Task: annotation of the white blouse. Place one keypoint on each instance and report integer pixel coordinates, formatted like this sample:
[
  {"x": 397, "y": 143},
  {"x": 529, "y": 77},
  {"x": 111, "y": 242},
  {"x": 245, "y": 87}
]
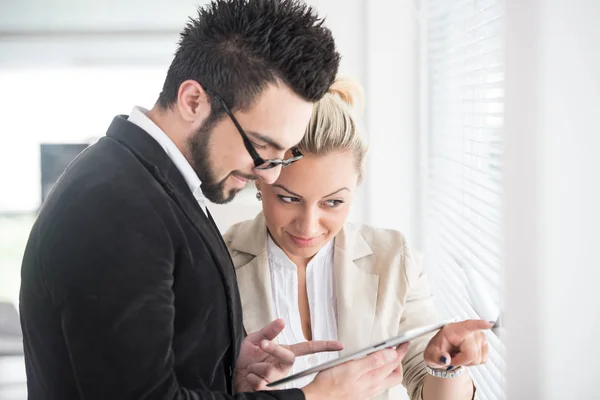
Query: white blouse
[{"x": 321, "y": 301}]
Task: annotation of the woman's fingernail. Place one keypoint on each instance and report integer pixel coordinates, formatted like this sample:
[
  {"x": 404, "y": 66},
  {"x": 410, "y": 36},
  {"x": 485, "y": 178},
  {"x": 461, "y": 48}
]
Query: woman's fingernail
[{"x": 443, "y": 359}]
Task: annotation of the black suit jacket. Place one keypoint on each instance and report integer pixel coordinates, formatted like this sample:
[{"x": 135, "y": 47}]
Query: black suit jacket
[{"x": 128, "y": 290}]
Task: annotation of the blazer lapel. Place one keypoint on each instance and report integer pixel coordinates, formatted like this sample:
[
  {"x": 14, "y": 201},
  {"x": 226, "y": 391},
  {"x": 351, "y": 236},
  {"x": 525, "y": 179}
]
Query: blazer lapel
[
  {"x": 254, "y": 277},
  {"x": 356, "y": 290},
  {"x": 206, "y": 227},
  {"x": 254, "y": 282}
]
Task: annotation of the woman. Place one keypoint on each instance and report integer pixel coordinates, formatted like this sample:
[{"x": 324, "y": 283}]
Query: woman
[{"x": 300, "y": 260}]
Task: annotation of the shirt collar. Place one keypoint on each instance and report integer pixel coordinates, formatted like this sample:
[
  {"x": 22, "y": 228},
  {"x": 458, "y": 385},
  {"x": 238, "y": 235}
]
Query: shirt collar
[{"x": 138, "y": 117}]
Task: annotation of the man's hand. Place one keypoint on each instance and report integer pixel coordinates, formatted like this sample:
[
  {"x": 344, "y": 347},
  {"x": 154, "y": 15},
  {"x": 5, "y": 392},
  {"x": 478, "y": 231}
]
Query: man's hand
[
  {"x": 261, "y": 361},
  {"x": 458, "y": 344}
]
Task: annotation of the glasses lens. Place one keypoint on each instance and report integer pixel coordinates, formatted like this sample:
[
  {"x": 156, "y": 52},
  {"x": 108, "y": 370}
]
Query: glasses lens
[{"x": 268, "y": 164}]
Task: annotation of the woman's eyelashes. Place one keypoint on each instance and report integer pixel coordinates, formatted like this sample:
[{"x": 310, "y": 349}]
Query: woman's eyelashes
[
  {"x": 288, "y": 199},
  {"x": 334, "y": 203},
  {"x": 291, "y": 199}
]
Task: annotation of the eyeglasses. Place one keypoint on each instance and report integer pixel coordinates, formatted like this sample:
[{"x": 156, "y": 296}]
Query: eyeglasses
[{"x": 259, "y": 162}]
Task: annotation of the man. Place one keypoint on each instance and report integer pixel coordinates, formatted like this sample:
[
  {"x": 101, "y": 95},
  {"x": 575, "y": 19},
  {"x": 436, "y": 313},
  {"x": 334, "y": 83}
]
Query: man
[{"x": 128, "y": 291}]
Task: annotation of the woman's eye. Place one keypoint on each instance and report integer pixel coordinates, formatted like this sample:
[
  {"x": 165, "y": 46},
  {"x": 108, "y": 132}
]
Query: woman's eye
[
  {"x": 288, "y": 199},
  {"x": 334, "y": 203}
]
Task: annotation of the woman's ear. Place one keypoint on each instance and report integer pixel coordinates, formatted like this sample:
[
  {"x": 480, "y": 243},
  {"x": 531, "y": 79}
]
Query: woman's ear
[{"x": 258, "y": 185}]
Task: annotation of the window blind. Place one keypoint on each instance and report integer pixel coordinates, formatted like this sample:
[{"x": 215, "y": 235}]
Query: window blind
[{"x": 462, "y": 218}]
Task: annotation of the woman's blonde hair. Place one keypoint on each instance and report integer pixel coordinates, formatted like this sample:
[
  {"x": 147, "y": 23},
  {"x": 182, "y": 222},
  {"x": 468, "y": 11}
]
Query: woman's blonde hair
[{"x": 335, "y": 123}]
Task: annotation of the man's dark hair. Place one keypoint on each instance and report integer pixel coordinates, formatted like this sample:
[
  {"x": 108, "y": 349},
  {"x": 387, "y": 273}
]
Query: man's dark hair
[{"x": 235, "y": 48}]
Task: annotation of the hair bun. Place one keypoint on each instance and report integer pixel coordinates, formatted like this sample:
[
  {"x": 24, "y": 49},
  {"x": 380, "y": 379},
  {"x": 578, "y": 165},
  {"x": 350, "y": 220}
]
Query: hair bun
[{"x": 350, "y": 91}]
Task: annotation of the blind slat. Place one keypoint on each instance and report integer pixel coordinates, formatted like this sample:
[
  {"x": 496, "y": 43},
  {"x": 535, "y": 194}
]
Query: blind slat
[
  {"x": 467, "y": 200},
  {"x": 461, "y": 252},
  {"x": 468, "y": 230},
  {"x": 463, "y": 219},
  {"x": 448, "y": 258}
]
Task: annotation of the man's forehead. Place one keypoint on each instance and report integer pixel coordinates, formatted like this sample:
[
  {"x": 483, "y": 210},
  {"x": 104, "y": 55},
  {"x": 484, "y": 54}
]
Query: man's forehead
[{"x": 280, "y": 116}]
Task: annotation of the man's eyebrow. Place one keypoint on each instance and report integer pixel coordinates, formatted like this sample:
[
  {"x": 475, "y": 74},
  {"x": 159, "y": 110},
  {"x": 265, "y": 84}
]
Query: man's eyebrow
[
  {"x": 266, "y": 139},
  {"x": 287, "y": 190}
]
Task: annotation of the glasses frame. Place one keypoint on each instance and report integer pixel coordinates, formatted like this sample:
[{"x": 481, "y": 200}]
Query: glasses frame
[{"x": 259, "y": 162}]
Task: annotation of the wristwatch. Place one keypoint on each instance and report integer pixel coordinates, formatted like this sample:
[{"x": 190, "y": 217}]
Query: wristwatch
[
  {"x": 450, "y": 373},
  {"x": 445, "y": 373}
]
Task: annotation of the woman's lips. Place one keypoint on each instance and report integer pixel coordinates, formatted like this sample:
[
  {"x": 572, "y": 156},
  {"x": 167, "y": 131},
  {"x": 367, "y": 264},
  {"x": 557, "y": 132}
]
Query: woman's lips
[{"x": 303, "y": 241}]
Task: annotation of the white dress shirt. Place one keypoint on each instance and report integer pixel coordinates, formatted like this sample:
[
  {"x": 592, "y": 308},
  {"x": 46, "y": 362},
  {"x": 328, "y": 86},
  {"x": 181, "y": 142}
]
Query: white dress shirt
[
  {"x": 321, "y": 300},
  {"x": 138, "y": 116}
]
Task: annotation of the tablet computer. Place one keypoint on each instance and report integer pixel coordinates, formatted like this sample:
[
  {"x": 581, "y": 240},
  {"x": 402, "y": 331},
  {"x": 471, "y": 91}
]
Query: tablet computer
[{"x": 392, "y": 342}]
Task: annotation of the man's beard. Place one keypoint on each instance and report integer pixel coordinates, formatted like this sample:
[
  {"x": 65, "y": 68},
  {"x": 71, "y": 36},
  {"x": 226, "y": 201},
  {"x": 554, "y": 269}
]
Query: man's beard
[{"x": 212, "y": 189}]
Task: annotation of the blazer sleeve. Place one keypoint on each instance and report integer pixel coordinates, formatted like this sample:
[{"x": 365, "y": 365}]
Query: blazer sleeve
[
  {"x": 419, "y": 311},
  {"x": 108, "y": 263}
]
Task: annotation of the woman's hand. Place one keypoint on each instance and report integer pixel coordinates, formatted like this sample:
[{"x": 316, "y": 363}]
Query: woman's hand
[{"x": 458, "y": 344}]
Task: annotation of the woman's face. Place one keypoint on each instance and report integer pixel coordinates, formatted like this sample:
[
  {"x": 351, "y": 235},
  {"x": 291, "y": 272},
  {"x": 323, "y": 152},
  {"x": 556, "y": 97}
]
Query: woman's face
[{"x": 309, "y": 203}]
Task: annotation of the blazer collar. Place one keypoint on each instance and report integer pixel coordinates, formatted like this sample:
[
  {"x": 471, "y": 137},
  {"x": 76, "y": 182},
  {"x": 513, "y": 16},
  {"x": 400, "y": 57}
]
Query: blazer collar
[
  {"x": 150, "y": 153},
  {"x": 251, "y": 238},
  {"x": 139, "y": 142},
  {"x": 352, "y": 243}
]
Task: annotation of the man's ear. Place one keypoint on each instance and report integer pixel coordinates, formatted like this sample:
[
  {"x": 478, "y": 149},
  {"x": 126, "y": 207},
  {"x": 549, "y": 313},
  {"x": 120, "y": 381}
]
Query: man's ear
[{"x": 193, "y": 102}]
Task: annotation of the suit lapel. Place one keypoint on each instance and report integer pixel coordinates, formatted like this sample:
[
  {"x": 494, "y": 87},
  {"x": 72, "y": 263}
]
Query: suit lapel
[
  {"x": 254, "y": 277},
  {"x": 356, "y": 290},
  {"x": 206, "y": 227},
  {"x": 254, "y": 280}
]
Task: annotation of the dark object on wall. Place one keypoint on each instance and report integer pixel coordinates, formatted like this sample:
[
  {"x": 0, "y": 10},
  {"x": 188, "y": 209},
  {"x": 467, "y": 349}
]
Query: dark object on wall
[{"x": 55, "y": 157}]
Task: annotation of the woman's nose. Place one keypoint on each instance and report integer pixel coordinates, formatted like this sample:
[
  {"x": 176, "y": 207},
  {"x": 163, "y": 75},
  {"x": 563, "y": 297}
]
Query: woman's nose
[{"x": 308, "y": 223}]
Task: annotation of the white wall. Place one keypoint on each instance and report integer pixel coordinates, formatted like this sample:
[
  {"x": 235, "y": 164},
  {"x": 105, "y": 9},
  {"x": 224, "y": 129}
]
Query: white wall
[
  {"x": 65, "y": 15},
  {"x": 392, "y": 85},
  {"x": 553, "y": 198}
]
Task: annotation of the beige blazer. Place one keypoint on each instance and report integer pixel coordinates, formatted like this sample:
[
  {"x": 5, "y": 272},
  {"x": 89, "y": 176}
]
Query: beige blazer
[{"x": 380, "y": 287}]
